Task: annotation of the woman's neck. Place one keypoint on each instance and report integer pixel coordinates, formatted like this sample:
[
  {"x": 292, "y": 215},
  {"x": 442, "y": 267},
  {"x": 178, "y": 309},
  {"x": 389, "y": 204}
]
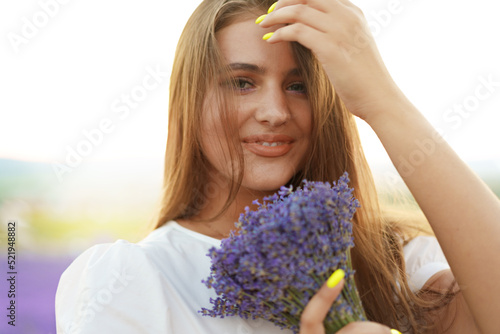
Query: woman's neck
[{"x": 213, "y": 203}]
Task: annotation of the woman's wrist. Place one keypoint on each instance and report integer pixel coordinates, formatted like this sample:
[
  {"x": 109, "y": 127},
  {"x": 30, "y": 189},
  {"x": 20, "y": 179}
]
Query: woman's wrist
[{"x": 390, "y": 110}]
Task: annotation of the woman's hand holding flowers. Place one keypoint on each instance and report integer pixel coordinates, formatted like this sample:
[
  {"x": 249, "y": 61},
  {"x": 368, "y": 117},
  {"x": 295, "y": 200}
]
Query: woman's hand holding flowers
[{"x": 314, "y": 314}]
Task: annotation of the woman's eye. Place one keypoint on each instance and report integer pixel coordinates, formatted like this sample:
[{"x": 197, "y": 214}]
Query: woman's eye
[
  {"x": 298, "y": 87},
  {"x": 242, "y": 84},
  {"x": 238, "y": 84}
]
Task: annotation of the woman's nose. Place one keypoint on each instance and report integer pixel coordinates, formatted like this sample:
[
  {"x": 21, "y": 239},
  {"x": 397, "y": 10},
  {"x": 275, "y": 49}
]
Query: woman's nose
[{"x": 273, "y": 109}]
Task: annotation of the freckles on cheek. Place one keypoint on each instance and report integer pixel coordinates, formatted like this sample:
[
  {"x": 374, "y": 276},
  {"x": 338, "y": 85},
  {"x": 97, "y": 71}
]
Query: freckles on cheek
[
  {"x": 209, "y": 136},
  {"x": 212, "y": 134}
]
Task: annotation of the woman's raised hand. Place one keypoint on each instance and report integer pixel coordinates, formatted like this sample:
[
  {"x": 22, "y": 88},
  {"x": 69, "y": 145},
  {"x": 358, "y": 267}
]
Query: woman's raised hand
[
  {"x": 315, "y": 312},
  {"x": 338, "y": 34}
]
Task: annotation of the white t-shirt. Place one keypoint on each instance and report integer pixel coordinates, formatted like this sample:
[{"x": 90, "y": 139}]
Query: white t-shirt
[{"x": 155, "y": 286}]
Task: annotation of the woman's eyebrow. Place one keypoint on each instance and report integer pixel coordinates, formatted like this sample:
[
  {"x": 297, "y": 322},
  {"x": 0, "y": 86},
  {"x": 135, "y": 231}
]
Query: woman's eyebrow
[{"x": 294, "y": 72}]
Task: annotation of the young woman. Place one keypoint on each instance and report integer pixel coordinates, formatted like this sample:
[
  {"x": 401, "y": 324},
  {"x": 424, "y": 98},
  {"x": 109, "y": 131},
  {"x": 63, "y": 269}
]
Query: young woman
[{"x": 249, "y": 114}]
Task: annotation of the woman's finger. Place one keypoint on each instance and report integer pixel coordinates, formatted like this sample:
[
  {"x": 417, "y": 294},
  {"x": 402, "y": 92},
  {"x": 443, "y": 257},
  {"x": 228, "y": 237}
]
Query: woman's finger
[
  {"x": 320, "y": 5},
  {"x": 311, "y": 320},
  {"x": 315, "y": 312},
  {"x": 298, "y": 13},
  {"x": 298, "y": 32},
  {"x": 313, "y": 39}
]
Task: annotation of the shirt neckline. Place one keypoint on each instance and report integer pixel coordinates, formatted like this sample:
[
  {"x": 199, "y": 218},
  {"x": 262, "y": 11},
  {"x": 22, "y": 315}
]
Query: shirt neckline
[{"x": 176, "y": 226}]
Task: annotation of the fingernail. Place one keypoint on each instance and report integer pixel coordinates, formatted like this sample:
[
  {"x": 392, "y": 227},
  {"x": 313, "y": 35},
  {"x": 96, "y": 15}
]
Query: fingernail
[
  {"x": 273, "y": 6},
  {"x": 267, "y": 36},
  {"x": 335, "y": 278},
  {"x": 260, "y": 19},
  {"x": 395, "y": 331}
]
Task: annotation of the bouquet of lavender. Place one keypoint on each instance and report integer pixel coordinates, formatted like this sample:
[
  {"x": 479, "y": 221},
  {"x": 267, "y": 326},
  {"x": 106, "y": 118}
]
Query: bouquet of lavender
[{"x": 284, "y": 251}]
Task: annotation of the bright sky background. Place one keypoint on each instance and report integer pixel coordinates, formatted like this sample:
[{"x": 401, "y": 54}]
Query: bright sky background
[{"x": 72, "y": 70}]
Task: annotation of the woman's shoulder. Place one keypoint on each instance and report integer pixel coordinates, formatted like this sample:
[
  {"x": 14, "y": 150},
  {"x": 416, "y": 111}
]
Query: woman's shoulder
[
  {"x": 103, "y": 259},
  {"x": 126, "y": 281},
  {"x": 170, "y": 241},
  {"x": 423, "y": 258},
  {"x": 120, "y": 253},
  {"x": 103, "y": 283}
]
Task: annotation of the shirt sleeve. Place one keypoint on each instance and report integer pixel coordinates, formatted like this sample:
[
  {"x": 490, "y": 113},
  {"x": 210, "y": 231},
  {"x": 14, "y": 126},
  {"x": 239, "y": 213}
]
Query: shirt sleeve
[
  {"x": 111, "y": 288},
  {"x": 424, "y": 258}
]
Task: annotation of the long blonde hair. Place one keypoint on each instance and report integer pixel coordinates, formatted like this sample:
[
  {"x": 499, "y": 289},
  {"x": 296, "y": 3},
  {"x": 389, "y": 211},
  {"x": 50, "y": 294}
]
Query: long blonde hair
[{"x": 377, "y": 255}]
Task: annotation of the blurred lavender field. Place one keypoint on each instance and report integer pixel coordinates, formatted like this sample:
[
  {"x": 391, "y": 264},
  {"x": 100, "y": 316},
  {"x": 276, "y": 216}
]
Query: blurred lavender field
[{"x": 36, "y": 286}]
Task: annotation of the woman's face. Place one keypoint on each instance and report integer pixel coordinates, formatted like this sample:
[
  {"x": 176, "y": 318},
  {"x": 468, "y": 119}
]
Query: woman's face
[{"x": 273, "y": 114}]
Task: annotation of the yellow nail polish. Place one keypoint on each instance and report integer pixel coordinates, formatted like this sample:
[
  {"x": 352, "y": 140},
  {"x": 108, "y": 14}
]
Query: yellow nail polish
[
  {"x": 267, "y": 36},
  {"x": 335, "y": 278},
  {"x": 260, "y": 19},
  {"x": 395, "y": 331},
  {"x": 273, "y": 6}
]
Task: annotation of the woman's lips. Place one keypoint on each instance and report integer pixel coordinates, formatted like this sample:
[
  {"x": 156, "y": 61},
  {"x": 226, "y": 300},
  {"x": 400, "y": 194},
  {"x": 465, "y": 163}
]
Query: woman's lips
[{"x": 268, "y": 145}]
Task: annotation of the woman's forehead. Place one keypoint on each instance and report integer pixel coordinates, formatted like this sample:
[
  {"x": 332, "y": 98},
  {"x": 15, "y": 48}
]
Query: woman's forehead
[{"x": 241, "y": 43}]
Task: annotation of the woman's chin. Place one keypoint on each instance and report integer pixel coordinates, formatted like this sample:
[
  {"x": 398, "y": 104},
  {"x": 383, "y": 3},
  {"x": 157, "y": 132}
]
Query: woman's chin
[{"x": 268, "y": 183}]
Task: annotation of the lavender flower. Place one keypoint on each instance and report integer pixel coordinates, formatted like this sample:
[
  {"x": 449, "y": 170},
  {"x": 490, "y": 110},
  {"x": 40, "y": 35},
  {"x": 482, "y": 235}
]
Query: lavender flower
[{"x": 284, "y": 251}]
